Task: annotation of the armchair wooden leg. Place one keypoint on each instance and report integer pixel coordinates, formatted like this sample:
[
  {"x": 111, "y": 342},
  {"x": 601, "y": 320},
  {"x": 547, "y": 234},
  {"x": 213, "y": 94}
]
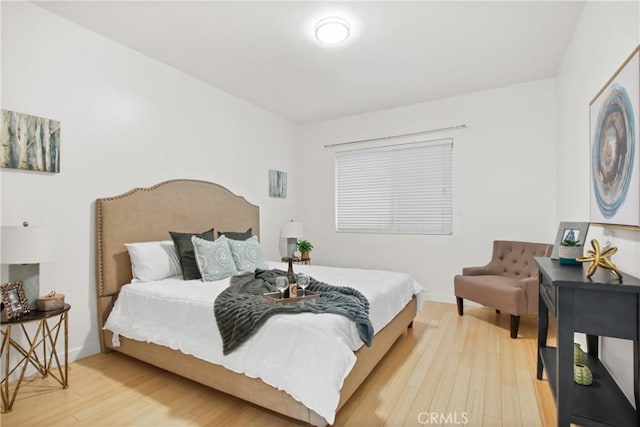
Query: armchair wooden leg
[
  {"x": 515, "y": 324},
  {"x": 460, "y": 306}
]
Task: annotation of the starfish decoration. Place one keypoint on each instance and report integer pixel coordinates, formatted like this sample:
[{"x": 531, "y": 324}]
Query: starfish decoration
[{"x": 600, "y": 259}]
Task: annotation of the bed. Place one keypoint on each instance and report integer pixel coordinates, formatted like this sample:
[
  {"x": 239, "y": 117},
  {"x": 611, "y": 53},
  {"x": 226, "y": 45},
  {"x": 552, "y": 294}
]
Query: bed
[{"x": 147, "y": 214}]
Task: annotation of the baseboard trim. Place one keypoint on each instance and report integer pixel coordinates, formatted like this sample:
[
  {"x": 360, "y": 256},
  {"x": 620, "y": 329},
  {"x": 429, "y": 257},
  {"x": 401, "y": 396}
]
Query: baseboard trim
[
  {"x": 82, "y": 352},
  {"x": 449, "y": 299},
  {"x": 440, "y": 298}
]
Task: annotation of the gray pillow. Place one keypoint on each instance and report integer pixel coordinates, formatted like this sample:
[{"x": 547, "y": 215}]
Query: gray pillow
[
  {"x": 236, "y": 235},
  {"x": 214, "y": 259},
  {"x": 246, "y": 254},
  {"x": 184, "y": 247}
]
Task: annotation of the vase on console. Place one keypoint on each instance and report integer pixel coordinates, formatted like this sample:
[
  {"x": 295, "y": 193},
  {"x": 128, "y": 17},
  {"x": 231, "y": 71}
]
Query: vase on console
[
  {"x": 582, "y": 374},
  {"x": 579, "y": 356}
]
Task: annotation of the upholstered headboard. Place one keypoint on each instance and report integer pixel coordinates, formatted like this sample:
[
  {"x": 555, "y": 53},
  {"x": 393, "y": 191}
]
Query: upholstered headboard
[{"x": 148, "y": 214}]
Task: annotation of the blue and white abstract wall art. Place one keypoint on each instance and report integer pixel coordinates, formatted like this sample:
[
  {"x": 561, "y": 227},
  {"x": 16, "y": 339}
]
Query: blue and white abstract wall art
[{"x": 615, "y": 156}]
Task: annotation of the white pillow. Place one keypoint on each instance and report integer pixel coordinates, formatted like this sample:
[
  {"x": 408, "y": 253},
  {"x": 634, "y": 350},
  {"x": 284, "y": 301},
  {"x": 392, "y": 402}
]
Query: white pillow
[
  {"x": 213, "y": 258},
  {"x": 247, "y": 254},
  {"x": 152, "y": 261}
]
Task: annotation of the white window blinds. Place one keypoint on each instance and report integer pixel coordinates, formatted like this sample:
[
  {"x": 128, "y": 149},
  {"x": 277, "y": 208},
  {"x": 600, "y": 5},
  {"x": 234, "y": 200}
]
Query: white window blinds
[{"x": 397, "y": 189}]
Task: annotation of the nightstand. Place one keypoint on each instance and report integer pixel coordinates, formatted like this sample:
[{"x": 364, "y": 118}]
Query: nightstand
[
  {"x": 302, "y": 261},
  {"x": 46, "y": 361}
]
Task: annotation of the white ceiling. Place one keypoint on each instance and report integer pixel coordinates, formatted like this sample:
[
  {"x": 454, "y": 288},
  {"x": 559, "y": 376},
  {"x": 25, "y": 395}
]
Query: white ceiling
[{"x": 399, "y": 53}]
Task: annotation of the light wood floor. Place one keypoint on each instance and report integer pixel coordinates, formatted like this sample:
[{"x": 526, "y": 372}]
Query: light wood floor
[{"x": 447, "y": 368}]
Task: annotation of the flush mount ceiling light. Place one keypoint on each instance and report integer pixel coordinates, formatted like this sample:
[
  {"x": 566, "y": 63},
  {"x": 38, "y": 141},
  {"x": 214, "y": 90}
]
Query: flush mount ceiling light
[{"x": 332, "y": 30}]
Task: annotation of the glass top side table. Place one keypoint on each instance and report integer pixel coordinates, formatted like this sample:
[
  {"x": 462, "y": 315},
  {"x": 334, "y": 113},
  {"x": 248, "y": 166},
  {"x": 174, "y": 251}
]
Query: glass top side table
[{"x": 46, "y": 361}]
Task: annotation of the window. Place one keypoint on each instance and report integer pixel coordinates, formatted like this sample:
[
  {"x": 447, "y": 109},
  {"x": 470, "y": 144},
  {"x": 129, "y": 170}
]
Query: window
[{"x": 403, "y": 189}]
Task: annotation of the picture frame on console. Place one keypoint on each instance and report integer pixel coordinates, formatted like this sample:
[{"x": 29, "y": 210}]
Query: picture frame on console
[
  {"x": 575, "y": 231},
  {"x": 14, "y": 300}
]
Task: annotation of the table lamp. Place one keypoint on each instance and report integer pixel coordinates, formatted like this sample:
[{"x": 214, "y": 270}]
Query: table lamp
[
  {"x": 23, "y": 249},
  {"x": 291, "y": 231}
]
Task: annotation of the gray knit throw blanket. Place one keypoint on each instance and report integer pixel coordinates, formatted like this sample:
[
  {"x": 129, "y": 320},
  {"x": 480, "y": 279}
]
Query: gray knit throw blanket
[{"x": 241, "y": 309}]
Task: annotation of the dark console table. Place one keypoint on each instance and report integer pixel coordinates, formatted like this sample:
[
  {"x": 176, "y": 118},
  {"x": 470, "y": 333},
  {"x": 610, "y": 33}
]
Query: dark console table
[{"x": 599, "y": 306}]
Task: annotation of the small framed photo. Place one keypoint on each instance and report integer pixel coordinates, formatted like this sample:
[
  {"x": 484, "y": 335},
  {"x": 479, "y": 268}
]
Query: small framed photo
[
  {"x": 570, "y": 231},
  {"x": 14, "y": 300}
]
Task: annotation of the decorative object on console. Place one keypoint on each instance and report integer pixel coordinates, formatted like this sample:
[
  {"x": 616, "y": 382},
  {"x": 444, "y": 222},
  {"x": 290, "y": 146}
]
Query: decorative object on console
[
  {"x": 582, "y": 374},
  {"x": 23, "y": 249},
  {"x": 277, "y": 184},
  {"x": 305, "y": 247},
  {"x": 573, "y": 231},
  {"x": 569, "y": 251},
  {"x": 579, "y": 356},
  {"x": 14, "y": 300},
  {"x": 291, "y": 231},
  {"x": 29, "y": 142},
  {"x": 614, "y": 115},
  {"x": 597, "y": 258}
]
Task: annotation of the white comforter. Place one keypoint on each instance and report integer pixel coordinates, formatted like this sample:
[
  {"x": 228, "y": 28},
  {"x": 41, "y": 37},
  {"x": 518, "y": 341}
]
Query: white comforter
[{"x": 282, "y": 351}]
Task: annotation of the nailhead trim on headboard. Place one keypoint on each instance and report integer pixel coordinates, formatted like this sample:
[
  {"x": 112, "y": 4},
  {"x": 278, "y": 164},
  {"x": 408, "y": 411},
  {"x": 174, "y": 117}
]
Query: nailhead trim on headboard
[
  {"x": 100, "y": 223},
  {"x": 192, "y": 205}
]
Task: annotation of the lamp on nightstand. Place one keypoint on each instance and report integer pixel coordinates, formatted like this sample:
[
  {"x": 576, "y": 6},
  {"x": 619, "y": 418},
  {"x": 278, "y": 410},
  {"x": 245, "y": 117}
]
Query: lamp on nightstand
[
  {"x": 23, "y": 249},
  {"x": 291, "y": 231}
]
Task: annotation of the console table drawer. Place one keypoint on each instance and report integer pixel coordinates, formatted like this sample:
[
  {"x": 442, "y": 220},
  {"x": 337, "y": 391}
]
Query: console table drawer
[
  {"x": 548, "y": 293},
  {"x": 607, "y": 314}
]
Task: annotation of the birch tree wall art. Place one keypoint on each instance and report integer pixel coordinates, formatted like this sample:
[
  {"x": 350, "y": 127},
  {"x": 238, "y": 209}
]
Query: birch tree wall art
[{"x": 29, "y": 142}]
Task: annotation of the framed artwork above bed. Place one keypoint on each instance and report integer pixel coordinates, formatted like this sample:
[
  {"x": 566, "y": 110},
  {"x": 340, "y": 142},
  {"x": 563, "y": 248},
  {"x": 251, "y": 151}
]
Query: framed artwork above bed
[
  {"x": 614, "y": 116},
  {"x": 277, "y": 184}
]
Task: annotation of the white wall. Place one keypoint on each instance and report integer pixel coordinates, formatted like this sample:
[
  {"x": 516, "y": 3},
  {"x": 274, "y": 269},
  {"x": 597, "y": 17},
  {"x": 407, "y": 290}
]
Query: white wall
[
  {"x": 605, "y": 35},
  {"x": 504, "y": 181},
  {"x": 127, "y": 121}
]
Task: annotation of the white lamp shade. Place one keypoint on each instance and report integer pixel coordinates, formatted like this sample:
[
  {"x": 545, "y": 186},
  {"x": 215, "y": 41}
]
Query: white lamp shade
[
  {"x": 291, "y": 230},
  {"x": 25, "y": 245}
]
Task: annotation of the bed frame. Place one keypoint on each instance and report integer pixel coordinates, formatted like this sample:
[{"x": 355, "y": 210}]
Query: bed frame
[{"x": 148, "y": 214}]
